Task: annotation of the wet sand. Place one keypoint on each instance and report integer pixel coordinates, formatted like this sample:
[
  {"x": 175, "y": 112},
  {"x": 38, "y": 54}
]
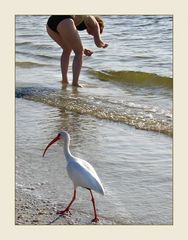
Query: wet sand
[{"x": 32, "y": 211}]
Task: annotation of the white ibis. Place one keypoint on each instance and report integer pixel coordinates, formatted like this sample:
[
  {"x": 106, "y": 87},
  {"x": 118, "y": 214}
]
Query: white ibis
[{"x": 81, "y": 173}]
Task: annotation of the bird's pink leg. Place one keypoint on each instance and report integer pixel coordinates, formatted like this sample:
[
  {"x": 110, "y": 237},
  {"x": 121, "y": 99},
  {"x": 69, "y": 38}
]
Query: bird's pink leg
[
  {"x": 96, "y": 219},
  {"x": 67, "y": 208}
]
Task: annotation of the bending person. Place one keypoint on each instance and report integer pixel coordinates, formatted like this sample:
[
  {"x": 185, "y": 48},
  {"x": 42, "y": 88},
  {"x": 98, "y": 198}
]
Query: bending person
[{"x": 63, "y": 29}]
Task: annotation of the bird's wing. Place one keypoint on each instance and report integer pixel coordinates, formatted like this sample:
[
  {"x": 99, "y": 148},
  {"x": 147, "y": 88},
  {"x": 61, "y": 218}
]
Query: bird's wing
[{"x": 84, "y": 175}]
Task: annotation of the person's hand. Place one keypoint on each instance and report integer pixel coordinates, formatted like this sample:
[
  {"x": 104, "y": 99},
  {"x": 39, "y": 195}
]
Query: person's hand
[
  {"x": 88, "y": 52},
  {"x": 101, "y": 44},
  {"x": 104, "y": 45}
]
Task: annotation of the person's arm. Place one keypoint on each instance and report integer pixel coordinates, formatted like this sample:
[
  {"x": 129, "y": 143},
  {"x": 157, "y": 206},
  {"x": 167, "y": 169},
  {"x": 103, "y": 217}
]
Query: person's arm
[{"x": 93, "y": 29}]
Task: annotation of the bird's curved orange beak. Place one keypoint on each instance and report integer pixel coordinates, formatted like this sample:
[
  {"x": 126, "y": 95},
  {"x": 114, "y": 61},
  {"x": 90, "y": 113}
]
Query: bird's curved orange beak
[{"x": 52, "y": 142}]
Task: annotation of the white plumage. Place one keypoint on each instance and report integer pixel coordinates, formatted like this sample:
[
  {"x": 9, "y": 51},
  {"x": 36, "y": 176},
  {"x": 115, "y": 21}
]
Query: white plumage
[
  {"x": 83, "y": 174},
  {"x": 80, "y": 172}
]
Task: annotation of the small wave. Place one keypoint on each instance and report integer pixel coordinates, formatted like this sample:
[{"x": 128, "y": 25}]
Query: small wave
[
  {"x": 134, "y": 78},
  {"x": 57, "y": 98},
  {"x": 23, "y": 92},
  {"x": 24, "y": 43},
  {"x": 30, "y": 64}
]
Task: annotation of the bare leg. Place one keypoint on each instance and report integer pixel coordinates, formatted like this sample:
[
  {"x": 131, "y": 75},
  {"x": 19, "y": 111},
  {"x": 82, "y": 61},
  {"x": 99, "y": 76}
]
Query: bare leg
[
  {"x": 65, "y": 55},
  {"x": 71, "y": 38},
  {"x": 64, "y": 65},
  {"x": 96, "y": 219},
  {"x": 76, "y": 68},
  {"x": 67, "y": 208}
]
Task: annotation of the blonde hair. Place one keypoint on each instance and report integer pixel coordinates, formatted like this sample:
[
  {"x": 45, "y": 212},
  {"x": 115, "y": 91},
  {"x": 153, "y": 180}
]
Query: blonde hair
[{"x": 100, "y": 22}]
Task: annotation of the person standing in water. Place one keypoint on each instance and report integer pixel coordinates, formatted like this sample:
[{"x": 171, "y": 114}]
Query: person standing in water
[{"x": 63, "y": 29}]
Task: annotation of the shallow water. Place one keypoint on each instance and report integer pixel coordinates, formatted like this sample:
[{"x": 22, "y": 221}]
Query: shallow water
[
  {"x": 120, "y": 121},
  {"x": 134, "y": 166}
]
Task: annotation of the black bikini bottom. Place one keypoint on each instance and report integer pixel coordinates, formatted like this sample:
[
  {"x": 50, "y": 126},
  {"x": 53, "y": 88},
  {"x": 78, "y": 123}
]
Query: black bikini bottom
[{"x": 54, "y": 20}]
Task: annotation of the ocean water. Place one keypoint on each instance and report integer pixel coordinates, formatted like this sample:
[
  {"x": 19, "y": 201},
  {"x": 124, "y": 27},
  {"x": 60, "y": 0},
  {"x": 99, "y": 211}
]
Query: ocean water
[{"x": 120, "y": 121}]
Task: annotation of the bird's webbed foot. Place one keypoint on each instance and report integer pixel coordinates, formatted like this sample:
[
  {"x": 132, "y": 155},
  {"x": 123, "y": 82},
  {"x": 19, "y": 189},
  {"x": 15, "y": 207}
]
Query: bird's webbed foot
[
  {"x": 64, "y": 212},
  {"x": 95, "y": 220}
]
